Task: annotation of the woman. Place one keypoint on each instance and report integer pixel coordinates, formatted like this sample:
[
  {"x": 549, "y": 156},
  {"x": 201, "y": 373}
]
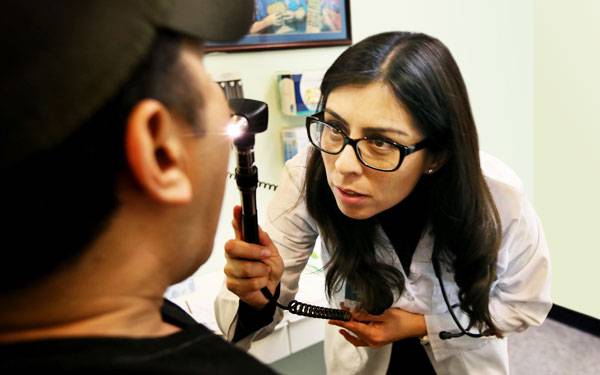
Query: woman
[{"x": 395, "y": 185}]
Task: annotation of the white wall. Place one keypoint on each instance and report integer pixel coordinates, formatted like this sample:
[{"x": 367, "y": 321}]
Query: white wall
[
  {"x": 567, "y": 134},
  {"x": 492, "y": 42}
]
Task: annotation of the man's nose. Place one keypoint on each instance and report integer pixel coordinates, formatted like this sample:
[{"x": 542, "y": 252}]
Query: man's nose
[{"x": 347, "y": 161}]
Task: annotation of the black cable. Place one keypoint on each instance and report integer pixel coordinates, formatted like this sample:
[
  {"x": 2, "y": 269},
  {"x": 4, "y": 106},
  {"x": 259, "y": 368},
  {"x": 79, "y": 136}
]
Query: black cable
[
  {"x": 260, "y": 184},
  {"x": 312, "y": 311},
  {"x": 446, "y": 335}
]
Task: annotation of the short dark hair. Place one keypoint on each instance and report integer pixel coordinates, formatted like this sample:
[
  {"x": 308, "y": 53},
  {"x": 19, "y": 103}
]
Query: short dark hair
[{"x": 57, "y": 201}]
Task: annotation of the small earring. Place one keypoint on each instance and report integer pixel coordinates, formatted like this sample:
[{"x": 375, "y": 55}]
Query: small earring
[{"x": 430, "y": 171}]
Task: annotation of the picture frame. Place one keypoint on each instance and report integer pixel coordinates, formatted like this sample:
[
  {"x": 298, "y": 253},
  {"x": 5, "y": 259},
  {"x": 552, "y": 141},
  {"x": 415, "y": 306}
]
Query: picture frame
[{"x": 281, "y": 24}]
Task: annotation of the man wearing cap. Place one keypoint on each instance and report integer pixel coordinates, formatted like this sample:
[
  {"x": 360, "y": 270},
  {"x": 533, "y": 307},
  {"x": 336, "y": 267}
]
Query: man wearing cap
[{"x": 113, "y": 159}]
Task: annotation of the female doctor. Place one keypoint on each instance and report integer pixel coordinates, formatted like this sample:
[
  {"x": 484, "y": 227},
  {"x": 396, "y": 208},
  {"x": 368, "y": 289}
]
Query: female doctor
[{"x": 397, "y": 191}]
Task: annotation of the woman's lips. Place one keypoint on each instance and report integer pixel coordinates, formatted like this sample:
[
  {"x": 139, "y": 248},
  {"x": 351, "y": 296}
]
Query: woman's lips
[
  {"x": 349, "y": 191},
  {"x": 350, "y": 197}
]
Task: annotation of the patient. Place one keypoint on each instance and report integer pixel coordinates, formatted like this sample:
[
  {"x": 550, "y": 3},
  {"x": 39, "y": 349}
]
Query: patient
[{"x": 112, "y": 162}]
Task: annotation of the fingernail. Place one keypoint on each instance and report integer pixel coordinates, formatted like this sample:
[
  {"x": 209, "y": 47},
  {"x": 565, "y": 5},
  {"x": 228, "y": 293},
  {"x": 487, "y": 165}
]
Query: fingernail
[{"x": 265, "y": 253}]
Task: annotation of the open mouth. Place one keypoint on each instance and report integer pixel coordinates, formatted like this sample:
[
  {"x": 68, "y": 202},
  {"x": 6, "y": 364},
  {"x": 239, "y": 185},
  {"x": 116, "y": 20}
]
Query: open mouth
[{"x": 350, "y": 193}]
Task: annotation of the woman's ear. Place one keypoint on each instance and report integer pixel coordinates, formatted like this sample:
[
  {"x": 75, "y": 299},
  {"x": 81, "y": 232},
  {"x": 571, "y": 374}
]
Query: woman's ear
[
  {"x": 436, "y": 161},
  {"x": 156, "y": 154}
]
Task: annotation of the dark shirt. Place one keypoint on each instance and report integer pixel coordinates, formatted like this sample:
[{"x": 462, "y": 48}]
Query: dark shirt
[
  {"x": 250, "y": 320},
  {"x": 193, "y": 350},
  {"x": 403, "y": 224}
]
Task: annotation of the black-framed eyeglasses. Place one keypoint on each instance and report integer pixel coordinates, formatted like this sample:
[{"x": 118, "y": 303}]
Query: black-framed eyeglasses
[{"x": 374, "y": 152}]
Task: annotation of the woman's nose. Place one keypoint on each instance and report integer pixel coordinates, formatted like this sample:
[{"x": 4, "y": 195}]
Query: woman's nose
[{"x": 347, "y": 161}]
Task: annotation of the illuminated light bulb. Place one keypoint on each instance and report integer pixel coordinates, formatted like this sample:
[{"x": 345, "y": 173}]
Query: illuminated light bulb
[{"x": 237, "y": 126}]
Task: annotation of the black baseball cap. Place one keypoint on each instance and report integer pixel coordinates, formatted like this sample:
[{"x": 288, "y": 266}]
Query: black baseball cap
[{"x": 63, "y": 59}]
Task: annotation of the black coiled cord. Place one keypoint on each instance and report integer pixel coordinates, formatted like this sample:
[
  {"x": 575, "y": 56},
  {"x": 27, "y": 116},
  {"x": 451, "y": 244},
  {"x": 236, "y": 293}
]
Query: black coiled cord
[
  {"x": 319, "y": 312},
  {"x": 304, "y": 309}
]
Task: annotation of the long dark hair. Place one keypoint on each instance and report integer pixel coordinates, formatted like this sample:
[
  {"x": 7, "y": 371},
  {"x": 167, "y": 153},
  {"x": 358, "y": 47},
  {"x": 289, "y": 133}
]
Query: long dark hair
[{"x": 461, "y": 213}]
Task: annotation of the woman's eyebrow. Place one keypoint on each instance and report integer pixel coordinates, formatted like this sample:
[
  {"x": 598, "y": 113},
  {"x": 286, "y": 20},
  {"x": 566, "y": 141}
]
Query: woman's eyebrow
[
  {"x": 384, "y": 129},
  {"x": 369, "y": 128},
  {"x": 336, "y": 115}
]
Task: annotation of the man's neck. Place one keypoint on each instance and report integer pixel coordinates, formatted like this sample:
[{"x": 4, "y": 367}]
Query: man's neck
[
  {"x": 96, "y": 316},
  {"x": 114, "y": 288},
  {"x": 96, "y": 296}
]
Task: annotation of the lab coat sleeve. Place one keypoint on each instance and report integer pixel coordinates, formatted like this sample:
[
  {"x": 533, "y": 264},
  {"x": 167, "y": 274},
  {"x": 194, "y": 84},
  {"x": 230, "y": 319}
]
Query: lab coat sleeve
[
  {"x": 520, "y": 296},
  {"x": 294, "y": 233}
]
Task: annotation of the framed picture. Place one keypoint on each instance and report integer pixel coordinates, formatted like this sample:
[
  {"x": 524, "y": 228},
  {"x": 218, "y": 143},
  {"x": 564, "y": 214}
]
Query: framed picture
[{"x": 294, "y": 24}]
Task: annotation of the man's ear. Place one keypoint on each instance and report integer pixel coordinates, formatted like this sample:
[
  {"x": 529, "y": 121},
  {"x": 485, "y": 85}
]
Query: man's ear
[{"x": 156, "y": 154}]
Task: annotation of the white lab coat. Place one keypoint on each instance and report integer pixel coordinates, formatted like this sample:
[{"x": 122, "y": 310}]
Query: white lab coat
[{"x": 520, "y": 297}]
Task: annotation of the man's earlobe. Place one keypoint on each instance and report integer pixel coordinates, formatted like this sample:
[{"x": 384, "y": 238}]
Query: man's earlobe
[{"x": 155, "y": 153}]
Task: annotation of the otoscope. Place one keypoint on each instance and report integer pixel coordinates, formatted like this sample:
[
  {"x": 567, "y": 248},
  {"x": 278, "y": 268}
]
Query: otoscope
[{"x": 251, "y": 117}]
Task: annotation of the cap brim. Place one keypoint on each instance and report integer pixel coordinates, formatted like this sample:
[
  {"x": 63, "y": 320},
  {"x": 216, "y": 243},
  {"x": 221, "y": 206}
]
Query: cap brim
[{"x": 212, "y": 20}]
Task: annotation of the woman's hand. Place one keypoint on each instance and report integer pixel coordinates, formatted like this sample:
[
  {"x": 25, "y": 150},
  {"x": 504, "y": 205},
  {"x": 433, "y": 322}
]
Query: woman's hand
[
  {"x": 378, "y": 330},
  {"x": 251, "y": 267}
]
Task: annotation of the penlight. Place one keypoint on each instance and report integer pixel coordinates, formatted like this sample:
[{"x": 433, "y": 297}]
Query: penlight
[{"x": 237, "y": 126}]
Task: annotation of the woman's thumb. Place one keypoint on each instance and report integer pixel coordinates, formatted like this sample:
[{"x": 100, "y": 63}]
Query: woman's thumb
[{"x": 265, "y": 239}]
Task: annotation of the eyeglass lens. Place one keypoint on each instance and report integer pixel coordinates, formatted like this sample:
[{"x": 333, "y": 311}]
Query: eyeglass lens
[{"x": 374, "y": 153}]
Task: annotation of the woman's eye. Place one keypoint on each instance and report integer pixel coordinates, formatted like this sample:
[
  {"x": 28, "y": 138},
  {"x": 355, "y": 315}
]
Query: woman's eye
[
  {"x": 332, "y": 133},
  {"x": 339, "y": 128},
  {"x": 379, "y": 143}
]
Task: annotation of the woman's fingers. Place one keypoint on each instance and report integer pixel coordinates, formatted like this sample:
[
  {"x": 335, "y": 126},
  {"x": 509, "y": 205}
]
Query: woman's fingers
[
  {"x": 244, "y": 286},
  {"x": 369, "y": 333},
  {"x": 246, "y": 269},
  {"x": 352, "y": 339},
  {"x": 362, "y": 316},
  {"x": 251, "y": 267},
  {"x": 265, "y": 240},
  {"x": 360, "y": 329},
  {"x": 237, "y": 249},
  {"x": 263, "y": 237}
]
